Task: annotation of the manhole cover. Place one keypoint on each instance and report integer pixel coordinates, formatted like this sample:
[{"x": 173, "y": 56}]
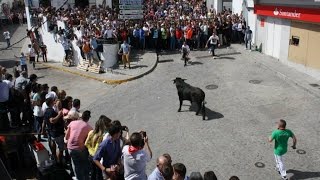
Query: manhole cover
[
  {"x": 212, "y": 86},
  {"x": 314, "y": 85},
  {"x": 259, "y": 165},
  {"x": 300, "y": 151},
  {"x": 255, "y": 81}
]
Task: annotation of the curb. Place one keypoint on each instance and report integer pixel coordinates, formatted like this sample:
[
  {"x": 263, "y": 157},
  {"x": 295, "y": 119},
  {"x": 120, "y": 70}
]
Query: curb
[{"x": 103, "y": 80}]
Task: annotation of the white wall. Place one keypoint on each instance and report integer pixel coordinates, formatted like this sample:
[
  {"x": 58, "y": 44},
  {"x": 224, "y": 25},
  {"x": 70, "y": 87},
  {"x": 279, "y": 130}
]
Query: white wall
[
  {"x": 284, "y": 41},
  {"x": 237, "y": 6},
  {"x": 56, "y": 51},
  {"x": 251, "y": 21},
  {"x": 218, "y": 5},
  {"x": 210, "y": 4},
  {"x": 261, "y": 32}
]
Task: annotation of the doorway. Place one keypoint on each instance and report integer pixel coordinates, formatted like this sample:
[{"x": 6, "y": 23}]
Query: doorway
[{"x": 81, "y": 3}]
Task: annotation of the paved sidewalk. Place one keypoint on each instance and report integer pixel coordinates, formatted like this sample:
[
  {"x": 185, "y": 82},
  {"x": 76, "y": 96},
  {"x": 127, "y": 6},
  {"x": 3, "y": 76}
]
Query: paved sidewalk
[
  {"x": 142, "y": 63},
  {"x": 283, "y": 71}
]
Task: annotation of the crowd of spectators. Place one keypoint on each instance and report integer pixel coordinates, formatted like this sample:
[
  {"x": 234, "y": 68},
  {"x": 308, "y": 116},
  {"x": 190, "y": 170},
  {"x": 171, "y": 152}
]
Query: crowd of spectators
[
  {"x": 107, "y": 151},
  {"x": 165, "y": 26}
]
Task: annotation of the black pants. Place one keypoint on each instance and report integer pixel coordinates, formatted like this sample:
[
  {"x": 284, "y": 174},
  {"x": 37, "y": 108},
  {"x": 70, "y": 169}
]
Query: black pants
[
  {"x": 44, "y": 57},
  {"x": 95, "y": 172},
  {"x": 185, "y": 58},
  {"x": 155, "y": 43},
  {"x": 67, "y": 53},
  {"x": 98, "y": 55},
  {"x": 4, "y": 120},
  {"x": 33, "y": 62},
  {"x": 164, "y": 44},
  {"x": 240, "y": 37}
]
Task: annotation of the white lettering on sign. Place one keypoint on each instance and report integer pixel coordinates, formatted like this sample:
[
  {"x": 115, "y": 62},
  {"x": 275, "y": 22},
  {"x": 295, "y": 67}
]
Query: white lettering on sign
[{"x": 286, "y": 13}]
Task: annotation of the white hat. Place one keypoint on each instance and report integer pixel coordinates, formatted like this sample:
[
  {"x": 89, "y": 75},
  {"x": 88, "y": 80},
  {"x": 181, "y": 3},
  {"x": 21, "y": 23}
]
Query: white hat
[{"x": 51, "y": 95}]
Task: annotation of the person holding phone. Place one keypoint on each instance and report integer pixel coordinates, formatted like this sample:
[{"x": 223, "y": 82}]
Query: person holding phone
[
  {"x": 136, "y": 156},
  {"x": 281, "y": 136}
]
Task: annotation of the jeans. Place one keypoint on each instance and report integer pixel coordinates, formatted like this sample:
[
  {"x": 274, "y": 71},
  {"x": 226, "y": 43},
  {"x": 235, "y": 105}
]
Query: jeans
[
  {"x": 8, "y": 43},
  {"x": 24, "y": 68},
  {"x": 172, "y": 43},
  {"x": 80, "y": 163},
  {"x": 212, "y": 48},
  {"x": 142, "y": 43},
  {"x": 38, "y": 125},
  {"x": 280, "y": 165},
  {"x": 179, "y": 43},
  {"x": 96, "y": 173},
  {"x": 246, "y": 42},
  {"x": 4, "y": 120}
]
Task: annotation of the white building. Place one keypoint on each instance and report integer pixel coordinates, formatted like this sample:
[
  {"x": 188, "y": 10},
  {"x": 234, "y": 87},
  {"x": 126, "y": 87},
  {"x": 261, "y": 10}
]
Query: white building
[{"x": 289, "y": 30}]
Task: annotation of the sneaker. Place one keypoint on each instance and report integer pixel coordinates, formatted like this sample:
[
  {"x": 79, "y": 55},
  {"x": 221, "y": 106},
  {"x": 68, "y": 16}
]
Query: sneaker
[{"x": 284, "y": 177}]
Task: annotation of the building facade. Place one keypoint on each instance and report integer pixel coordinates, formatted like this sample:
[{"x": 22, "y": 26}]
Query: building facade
[{"x": 289, "y": 30}]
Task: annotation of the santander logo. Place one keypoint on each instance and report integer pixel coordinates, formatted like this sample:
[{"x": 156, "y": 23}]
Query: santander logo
[{"x": 291, "y": 14}]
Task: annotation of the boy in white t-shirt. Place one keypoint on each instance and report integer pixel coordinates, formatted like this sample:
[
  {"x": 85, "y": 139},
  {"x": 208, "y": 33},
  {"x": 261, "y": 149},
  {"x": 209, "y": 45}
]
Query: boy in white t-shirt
[{"x": 214, "y": 42}]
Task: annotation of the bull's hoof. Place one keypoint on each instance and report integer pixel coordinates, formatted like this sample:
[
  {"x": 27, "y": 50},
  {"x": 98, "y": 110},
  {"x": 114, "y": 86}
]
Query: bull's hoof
[
  {"x": 197, "y": 114},
  {"x": 203, "y": 118},
  {"x": 179, "y": 110}
]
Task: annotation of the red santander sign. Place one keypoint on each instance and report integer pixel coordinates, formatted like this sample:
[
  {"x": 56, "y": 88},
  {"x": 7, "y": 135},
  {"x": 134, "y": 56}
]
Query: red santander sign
[{"x": 301, "y": 14}]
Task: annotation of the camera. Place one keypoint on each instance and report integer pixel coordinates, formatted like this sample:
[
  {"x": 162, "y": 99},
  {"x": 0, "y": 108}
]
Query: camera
[
  {"x": 144, "y": 134},
  {"x": 124, "y": 128}
]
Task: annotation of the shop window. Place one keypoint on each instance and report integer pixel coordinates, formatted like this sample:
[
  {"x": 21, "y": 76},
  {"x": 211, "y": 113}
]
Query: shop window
[{"x": 295, "y": 40}]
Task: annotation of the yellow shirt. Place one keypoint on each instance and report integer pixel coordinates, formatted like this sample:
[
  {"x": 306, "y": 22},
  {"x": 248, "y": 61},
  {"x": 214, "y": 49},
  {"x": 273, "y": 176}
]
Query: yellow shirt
[{"x": 92, "y": 148}]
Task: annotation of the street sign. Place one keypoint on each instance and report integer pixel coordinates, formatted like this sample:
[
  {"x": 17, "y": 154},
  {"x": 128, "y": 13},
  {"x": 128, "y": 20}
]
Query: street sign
[
  {"x": 123, "y": 2},
  {"x": 130, "y": 6},
  {"x": 139, "y": 16},
  {"x": 131, "y": 12}
]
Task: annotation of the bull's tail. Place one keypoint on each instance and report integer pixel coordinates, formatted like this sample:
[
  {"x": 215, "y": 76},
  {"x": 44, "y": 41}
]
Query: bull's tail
[{"x": 203, "y": 110}]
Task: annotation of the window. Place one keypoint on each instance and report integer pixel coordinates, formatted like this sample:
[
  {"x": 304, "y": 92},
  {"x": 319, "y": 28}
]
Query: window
[{"x": 295, "y": 40}]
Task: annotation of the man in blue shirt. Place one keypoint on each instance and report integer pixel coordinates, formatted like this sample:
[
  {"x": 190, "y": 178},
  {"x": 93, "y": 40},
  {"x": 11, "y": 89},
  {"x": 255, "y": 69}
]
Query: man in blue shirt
[
  {"x": 159, "y": 172},
  {"x": 110, "y": 151},
  {"x": 142, "y": 38},
  {"x": 23, "y": 63},
  {"x": 94, "y": 45}
]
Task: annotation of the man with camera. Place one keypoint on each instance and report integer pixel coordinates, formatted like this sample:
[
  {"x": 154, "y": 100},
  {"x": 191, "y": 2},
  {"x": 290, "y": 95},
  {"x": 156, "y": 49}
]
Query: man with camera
[
  {"x": 281, "y": 136},
  {"x": 135, "y": 156}
]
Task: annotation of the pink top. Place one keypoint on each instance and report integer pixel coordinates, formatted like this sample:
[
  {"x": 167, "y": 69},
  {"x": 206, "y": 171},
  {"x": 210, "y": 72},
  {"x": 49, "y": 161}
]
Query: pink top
[{"x": 78, "y": 132}]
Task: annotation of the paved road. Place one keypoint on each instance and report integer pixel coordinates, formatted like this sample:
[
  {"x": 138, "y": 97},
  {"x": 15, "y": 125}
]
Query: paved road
[{"x": 230, "y": 145}]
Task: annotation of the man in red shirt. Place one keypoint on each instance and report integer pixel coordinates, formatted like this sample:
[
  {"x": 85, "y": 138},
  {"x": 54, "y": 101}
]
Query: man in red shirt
[
  {"x": 179, "y": 37},
  {"x": 189, "y": 36}
]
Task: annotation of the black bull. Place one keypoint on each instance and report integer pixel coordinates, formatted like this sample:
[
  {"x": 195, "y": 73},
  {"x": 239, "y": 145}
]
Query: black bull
[{"x": 192, "y": 94}]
